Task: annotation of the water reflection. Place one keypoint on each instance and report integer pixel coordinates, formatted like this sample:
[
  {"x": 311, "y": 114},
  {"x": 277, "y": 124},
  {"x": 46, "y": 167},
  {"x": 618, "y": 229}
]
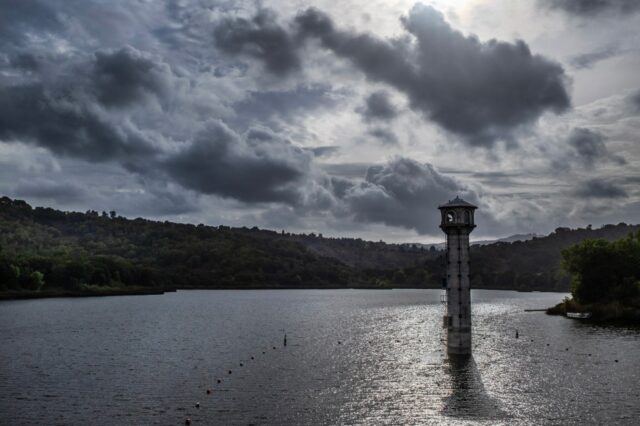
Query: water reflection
[{"x": 469, "y": 399}]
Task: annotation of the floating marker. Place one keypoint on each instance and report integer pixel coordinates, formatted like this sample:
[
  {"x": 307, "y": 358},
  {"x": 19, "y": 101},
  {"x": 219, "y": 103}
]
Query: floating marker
[
  {"x": 241, "y": 364},
  {"x": 339, "y": 342},
  {"x": 251, "y": 357},
  {"x": 197, "y": 405},
  {"x": 285, "y": 340},
  {"x": 219, "y": 381},
  {"x": 616, "y": 360},
  {"x": 187, "y": 421},
  {"x": 517, "y": 335},
  {"x": 229, "y": 371}
]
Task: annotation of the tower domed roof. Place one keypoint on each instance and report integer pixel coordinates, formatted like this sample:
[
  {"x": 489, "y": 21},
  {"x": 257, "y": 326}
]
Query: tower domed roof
[{"x": 457, "y": 202}]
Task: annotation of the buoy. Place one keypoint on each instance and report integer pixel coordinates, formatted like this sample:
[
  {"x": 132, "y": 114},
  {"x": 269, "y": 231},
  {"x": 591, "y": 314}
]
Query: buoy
[
  {"x": 219, "y": 381},
  {"x": 229, "y": 371},
  {"x": 251, "y": 357},
  {"x": 187, "y": 421},
  {"x": 547, "y": 344},
  {"x": 517, "y": 335},
  {"x": 208, "y": 391},
  {"x": 532, "y": 340},
  {"x": 285, "y": 340},
  {"x": 263, "y": 352},
  {"x": 197, "y": 405},
  {"x": 589, "y": 354},
  {"x": 567, "y": 349},
  {"x": 339, "y": 342},
  {"x": 240, "y": 364},
  {"x": 274, "y": 347},
  {"x": 616, "y": 360}
]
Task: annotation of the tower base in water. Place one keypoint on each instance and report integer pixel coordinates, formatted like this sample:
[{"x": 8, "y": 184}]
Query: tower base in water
[{"x": 458, "y": 342}]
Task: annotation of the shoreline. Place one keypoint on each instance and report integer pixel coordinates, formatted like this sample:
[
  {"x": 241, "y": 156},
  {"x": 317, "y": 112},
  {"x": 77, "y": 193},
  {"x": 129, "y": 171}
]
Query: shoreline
[
  {"x": 143, "y": 291},
  {"x": 613, "y": 314}
]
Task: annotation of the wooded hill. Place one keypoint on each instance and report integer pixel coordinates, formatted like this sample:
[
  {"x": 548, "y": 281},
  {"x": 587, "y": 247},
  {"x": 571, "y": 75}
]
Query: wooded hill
[{"x": 43, "y": 250}]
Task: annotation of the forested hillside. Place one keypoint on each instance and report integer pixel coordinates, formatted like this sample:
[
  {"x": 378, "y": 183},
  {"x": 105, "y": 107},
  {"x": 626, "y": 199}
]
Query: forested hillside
[{"x": 46, "y": 251}]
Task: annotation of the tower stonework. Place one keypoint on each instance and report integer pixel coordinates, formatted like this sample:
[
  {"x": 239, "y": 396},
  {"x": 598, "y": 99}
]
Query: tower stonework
[{"x": 458, "y": 222}]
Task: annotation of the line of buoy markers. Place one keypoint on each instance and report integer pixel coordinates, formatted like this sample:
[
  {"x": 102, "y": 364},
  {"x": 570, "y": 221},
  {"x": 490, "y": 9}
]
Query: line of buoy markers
[{"x": 209, "y": 391}]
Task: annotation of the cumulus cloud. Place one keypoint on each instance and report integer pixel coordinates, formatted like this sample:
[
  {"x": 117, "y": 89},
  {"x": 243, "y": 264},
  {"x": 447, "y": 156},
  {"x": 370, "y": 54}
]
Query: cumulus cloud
[
  {"x": 403, "y": 193},
  {"x": 19, "y": 18},
  {"x": 260, "y": 37},
  {"x": 589, "y": 145},
  {"x": 482, "y": 91},
  {"x": 65, "y": 123},
  {"x": 593, "y": 7},
  {"x": 600, "y": 188},
  {"x": 124, "y": 76},
  {"x": 256, "y": 167},
  {"x": 378, "y": 107}
]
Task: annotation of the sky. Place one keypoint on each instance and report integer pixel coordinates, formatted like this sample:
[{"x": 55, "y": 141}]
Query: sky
[{"x": 354, "y": 118}]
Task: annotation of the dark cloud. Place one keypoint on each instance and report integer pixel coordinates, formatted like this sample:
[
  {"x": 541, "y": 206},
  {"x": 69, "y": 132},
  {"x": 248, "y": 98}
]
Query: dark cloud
[
  {"x": 67, "y": 124},
  {"x": 262, "y": 106},
  {"x": 256, "y": 167},
  {"x": 122, "y": 77},
  {"x": 60, "y": 192},
  {"x": 347, "y": 170},
  {"x": 593, "y": 7},
  {"x": 25, "y": 61},
  {"x": 634, "y": 100},
  {"x": 385, "y": 136},
  {"x": 588, "y": 60},
  {"x": 22, "y": 17},
  {"x": 599, "y": 188},
  {"x": 402, "y": 193},
  {"x": 590, "y": 147},
  {"x": 378, "y": 107},
  {"x": 261, "y": 38},
  {"x": 480, "y": 91},
  {"x": 324, "y": 151}
]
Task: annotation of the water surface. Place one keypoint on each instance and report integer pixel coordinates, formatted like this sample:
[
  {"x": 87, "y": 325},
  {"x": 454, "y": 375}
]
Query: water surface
[{"x": 353, "y": 357}]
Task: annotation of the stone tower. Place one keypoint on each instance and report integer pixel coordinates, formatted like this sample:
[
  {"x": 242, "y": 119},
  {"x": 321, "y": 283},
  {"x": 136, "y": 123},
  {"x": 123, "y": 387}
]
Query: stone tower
[{"x": 457, "y": 222}]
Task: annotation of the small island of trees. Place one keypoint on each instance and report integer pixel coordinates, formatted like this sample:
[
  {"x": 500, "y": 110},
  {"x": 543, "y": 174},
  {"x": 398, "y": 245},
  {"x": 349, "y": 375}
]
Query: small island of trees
[{"x": 605, "y": 279}]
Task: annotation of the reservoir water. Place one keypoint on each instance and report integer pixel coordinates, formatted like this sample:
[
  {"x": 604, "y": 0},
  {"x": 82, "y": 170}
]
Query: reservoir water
[{"x": 370, "y": 357}]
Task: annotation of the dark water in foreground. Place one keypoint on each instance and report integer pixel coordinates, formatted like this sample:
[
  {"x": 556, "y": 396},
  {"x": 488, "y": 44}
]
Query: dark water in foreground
[{"x": 148, "y": 359}]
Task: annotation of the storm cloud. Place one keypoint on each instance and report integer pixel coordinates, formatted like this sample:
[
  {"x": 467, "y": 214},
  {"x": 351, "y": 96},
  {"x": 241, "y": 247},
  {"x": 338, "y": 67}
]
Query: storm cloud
[
  {"x": 378, "y": 107},
  {"x": 403, "y": 193},
  {"x": 479, "y": 91},
  {"x": 600, "y": 188},
  {"x": 593, "y": 7},
  {"x": 124, "y": 76},
  {"x": 256, "y": 167},
  {"x": 590, "y": 147},
  {"x": 67, "y": 124},
  {"x": 261, "y": 38}
]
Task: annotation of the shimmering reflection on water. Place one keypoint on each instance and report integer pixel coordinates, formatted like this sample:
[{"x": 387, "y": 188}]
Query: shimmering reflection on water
[{"x": 353, "y": 357}]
